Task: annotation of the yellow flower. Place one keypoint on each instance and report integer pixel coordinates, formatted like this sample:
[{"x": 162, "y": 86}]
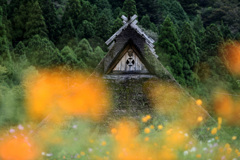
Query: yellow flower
[
  {"x": 229, "y": 150},
  {"x": 152, "y": 126},
  {"x": 146, "y": 118},
  {"x": 104, "y": 143},
  {"x": 91, "y": 140},
  {"x": 217, "y": 138},
  {"x": 78, "y": 156},
  {"x": 169, "y": 131},
  {"x": 200, "y": 118},
  {"x": 82, "y": 153},
  {"x": 160, "y": 127},
  {"x": 147, "y": 130},
  {"x": 214, "y": 131},
  {"x": 107, "y": 153},
  {"x": 199, "y": 102},
  {"x": 114, "y": 131},
  {"x": 227, "y": 145},
  {"x": 146, "y": 139},
  {"x": 234, "y": 137},
  {"x": 220, "y": 120},
  {"x": 198, "y": 155}
]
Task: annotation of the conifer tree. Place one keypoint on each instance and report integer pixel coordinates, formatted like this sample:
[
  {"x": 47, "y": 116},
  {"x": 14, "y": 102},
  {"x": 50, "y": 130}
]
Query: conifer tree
[
  {"x": 41, "y": 52},
  {"x": 51, "y": 19},
  {"x": 85, "y": 55},
  {"x": 212, "y": 39},
  {"x": 168, "y": 32},
  {"x": 189, "y": 53},
  {"x": 71, "y": 18},
  {"x": 19, "y": 20},
  {"x": 168, "y": 43},
  {"x": 68, "y": 57},
  {"x": 198, "y": 30},
  {"x": 188, "y": 46},
  {"x": 102, "y": 4},
  {"x": 145, "y": 22},
  {"x": 36, "y": 23},
  {"x": 4, "y": 48},
  {"x": 129, "y": 7},
  {"x": 117, "y": 25},
  {"x": 104, "y": 25}
]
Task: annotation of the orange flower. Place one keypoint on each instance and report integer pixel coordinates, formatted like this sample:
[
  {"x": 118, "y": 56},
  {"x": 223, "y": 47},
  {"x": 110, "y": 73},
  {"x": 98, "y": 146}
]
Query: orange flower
[{"x": 18, "y": 148}]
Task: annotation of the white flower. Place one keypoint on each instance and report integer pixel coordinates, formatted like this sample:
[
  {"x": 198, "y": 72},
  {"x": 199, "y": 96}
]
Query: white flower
[
  {"x": 20, "y": 127},
  {"x": 90, "y": 150},
  {"x": 193, "y": 149},
  {"x": 205, "y": 149},
  {"x": 185, "y": 153},
  {"x": 74, "y": 126},
  {"x": 12, "y": 130},
  {"x": 49, "y": 154},
  {"x": 43, "y": 153},
  {"x": 186, "y": 135}
]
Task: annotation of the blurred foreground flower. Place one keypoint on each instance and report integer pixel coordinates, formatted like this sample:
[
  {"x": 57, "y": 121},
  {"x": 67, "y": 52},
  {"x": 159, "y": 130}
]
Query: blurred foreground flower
[
  {"x": 58, "y": 94},
  {"x": 231, "y": 55},
  {"x": 18, "y": 147},
  {"x": 227, "y": 108}
]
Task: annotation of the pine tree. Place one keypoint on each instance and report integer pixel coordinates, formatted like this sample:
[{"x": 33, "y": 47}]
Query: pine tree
[
  {"x": 198, "y": 30},
  {"x": 4, "y": 47},
  {"x": 168, "y": 32},
  {"x": 88, "y": 11},
  {"x": 71, "y": 18},
  {"x": 129, "y": 7},
  {"x": 68, "y": 57},
  {"x": 145, "y": 22},
  {"x": 41, "y": 52},
  {"x": 19, "y": 20},
  {"x": 86, "y": 29},
  {"x": 104, "y": 25},
  {"x": 212, "y": 39},
  {"x": 36, "y": 23},
  {"x": 102, "y": 4},
  {"x": 190, "y": 6},
  {"x": 168, "y": 44},
  {"x": 85, "y": 54},
  {"x": 189, "y": 53},
  {"x": 188, "y": 46},
  {"x": 117, "y": 25},
  {"x": 51, "y": 19}
]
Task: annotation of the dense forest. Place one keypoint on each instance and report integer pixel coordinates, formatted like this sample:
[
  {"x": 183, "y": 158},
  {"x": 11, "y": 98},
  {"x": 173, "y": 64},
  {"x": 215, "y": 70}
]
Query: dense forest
[{"x": 189, "y": 36}]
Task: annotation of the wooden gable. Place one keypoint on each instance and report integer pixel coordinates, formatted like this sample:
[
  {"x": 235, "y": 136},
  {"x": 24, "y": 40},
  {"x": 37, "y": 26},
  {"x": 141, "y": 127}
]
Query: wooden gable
[{"x": 128, "y": 61}]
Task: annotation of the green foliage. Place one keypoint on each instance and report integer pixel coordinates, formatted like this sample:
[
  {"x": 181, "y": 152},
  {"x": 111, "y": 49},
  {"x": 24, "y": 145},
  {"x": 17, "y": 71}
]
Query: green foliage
[
  {"x": 198, "y": 30},
  {"x": 189, "y": 53},
  {"x": 169, "y": 46},
  {"x": 71, "y": 18},
  {"x": 68, "y": 57},
  {"x": 86, "y": 56},
  {"x": 104, "y": 24},
  {"x": 147, "y": 24},
  {"x": 4, "y": 44},
  {"x": 212, "y": 39},
  {"x": 51, "y": 19},
  {"x": 190, "y": 6},
  {"x": 129, "y": 7},
  {"x": 117, "y": 24},
  {"x": 35, "y": 24},
  {"x": 41, "y": 52}
]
